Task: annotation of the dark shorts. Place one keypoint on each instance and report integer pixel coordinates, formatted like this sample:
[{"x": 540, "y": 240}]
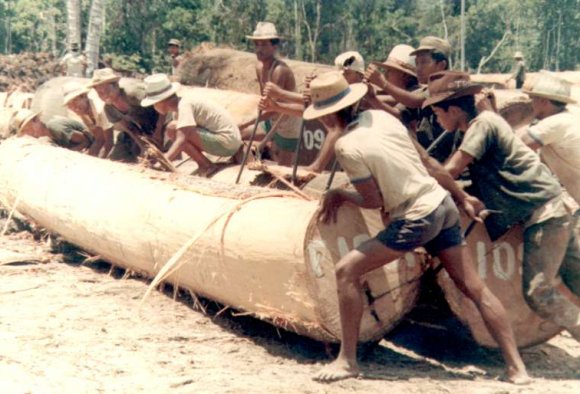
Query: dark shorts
[
  {"x": 285, "y": 144},
  {"x": 436, "y": 232}
]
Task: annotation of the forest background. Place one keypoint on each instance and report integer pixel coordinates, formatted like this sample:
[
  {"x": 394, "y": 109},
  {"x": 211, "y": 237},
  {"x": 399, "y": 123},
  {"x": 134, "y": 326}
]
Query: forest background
[{"x": 135, "y": 32}]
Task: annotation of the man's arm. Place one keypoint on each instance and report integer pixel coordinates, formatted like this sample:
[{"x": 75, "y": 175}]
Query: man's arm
[
  {"x": 108, "y": 144},
  {"x": 326, "y": 151},
  {"x": 177, "y": 146},
  {"x": 525, "y": 136},
  {"x": 408, "y": 99},
  {"x": 470, "y": 204},
  {"x": 367, "y": 195}
]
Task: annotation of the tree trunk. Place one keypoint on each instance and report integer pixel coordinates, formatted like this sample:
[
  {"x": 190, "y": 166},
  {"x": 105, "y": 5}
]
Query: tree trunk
[
  {"x": 73, "y": 10},
  {"x": 96, "y": 22},
  {"x": 266, "y": 254}
]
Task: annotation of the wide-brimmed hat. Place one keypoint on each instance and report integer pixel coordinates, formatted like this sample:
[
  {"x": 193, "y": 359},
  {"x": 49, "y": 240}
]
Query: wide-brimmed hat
[
  {"x": 330, "y": 93},
  {"x": 434, "y": 44},
  {"x": 21, "y": 119},
  {"x": 102, "y": 76},
  {"x": 549, "y": 86},
  {"x": 518, "y": 55},
  {"x": 351, "y": 60},
  {"x": 158, "y": 87},
  {"x": 264, "y": 31},
  {"x": 449, "y": 85},
  {"x": 72, "y": 90},
  {"x": 400, "y": 58},
  {"x": 174, "y": 41}
]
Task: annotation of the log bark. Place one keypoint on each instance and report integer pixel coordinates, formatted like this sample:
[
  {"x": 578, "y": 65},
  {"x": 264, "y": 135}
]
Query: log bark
[{"x": 268, "y": 256}]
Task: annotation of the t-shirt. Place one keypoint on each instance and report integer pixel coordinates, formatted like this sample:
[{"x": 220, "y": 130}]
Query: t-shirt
[
  {"x": 61, "y": 130},
  {"x": 209, "y": 115},
  {"x": 559, "y": 136},
  {"x": 507, "y": 175},
  {"x": 75, "y": 64},
  {"x": 145, "y": 118},
  {"x": 378, "y": 146}
]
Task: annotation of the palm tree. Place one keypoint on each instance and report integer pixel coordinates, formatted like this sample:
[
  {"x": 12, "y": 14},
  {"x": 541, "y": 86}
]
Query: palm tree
[{"x": 73, "y": 10}]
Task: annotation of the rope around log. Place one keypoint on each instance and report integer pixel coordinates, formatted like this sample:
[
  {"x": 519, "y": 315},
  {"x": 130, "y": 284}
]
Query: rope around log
[{"x": 176, "y": 261}]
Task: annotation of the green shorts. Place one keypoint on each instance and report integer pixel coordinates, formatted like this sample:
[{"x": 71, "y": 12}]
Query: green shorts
[
  {"x": 215, "y": 144},
  {"x": 283, "y": 143}
]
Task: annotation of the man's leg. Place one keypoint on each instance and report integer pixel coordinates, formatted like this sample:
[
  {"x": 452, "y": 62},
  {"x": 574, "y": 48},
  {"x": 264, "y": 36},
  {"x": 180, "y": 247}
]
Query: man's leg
[
  {"x": 570, "y": 269},
  {"x": 545, "y": 245},
  {"x": 460, "y": 267},
  {"x": 349, "y": 270}
]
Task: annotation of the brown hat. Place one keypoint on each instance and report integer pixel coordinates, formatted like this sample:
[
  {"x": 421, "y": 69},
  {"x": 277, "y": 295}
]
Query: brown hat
[
  {"x": 448, "y": 85},
  {"x": 400, "y": 58},
  {"x": 331, "y": 93},
  {"x": 434, "y": 44}
]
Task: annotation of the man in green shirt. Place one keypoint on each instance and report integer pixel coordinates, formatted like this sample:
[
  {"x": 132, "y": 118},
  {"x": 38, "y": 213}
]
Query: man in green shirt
[{"x": 508, "y": 176}]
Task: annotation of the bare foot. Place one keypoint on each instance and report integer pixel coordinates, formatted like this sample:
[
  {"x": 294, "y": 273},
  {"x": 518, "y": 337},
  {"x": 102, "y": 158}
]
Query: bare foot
[
  {"x": 518, "y": 377},
  {"x": 337, "y": 370}
]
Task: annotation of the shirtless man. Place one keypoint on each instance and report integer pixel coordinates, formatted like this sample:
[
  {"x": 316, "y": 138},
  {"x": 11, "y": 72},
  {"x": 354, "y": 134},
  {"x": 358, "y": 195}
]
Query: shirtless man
[
  {"x": 391, "y": 172},
  {"x": 76, "y": 98},
  {"x": 271, "y": 69},
  {"x": 202, "y": 125}
]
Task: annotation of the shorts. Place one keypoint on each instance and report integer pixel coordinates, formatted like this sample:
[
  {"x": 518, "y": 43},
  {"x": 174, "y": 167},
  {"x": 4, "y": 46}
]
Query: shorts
[
  {"x": 218, "y": 144},
  {"x": 436, "y": 232},
  {"x": 285, "y": 144}
]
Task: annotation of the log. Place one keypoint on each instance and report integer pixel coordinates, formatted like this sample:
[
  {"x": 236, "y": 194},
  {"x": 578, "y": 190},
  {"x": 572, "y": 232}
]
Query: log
[
  {"x": 224, "y": 68},
  {"x": 266, "y": 254},
  {"x": 499, "y": 264}
]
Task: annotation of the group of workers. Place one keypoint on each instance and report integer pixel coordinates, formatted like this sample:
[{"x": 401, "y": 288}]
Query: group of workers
[{"x": 402, "y": 130}]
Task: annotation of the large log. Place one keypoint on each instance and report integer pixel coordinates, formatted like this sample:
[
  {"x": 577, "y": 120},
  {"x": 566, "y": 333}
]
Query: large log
[
  {"x": 224, "y": 68},
  {"x": 266, "y": 254},
  {"x": 499, "y": 264}
]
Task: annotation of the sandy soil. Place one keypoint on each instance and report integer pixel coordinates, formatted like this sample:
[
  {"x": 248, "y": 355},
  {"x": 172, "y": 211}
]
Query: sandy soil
[{"x": 67, "y": 327}]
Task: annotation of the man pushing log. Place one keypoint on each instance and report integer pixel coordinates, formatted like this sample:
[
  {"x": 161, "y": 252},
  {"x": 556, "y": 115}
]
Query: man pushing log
[{"x": 391, "y": 172}]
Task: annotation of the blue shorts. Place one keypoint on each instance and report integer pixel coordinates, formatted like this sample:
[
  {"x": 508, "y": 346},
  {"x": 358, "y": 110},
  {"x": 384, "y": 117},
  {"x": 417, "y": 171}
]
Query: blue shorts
[{"x": 436, "y": 232}]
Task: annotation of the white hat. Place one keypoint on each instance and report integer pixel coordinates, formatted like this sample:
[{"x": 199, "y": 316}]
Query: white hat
[
  {"x": 400, "y": 58},
  {"x": 21, "y": 119},
  {"x": 518, "y": 55},
  {"x": 264, "y": 31},
  {"x": 350, "y": 60},
  {"x": 72, "y": 90},
  {"x": 158, "y": 87},
  {"x": 330, "y": 93},
  {"x": 551, "y": 87},
  {"x": 102, "y": 76}
]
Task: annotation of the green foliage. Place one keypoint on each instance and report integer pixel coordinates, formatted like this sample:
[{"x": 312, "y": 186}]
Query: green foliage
[{"x": 546, "y": 31}]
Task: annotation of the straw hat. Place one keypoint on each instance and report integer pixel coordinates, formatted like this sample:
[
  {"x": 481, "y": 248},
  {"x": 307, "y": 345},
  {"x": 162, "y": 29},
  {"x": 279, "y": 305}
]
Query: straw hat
[
  {"x": 549, "y": 86},
  {"x": 158, "y": 87},
  {"x": 264, "y": 31},
  {"x": 174, "y": 41},
  {"x": 72, "y": 90},
  {"x": 330, "y": 93},
  {"x": 400, "y": 58},
  {"x": 102, "y": 76},
  {"x": 350, "y": 60},
  {"x": 448, "y": 85},
  {"x": 433, "y": 44},
  {"x": 21, "y": 119},
  {"x": 518, "y": 55}
]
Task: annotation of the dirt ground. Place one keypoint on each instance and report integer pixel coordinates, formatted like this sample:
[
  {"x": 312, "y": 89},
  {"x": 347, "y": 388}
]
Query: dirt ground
[{"x": 67, "y": 327}]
